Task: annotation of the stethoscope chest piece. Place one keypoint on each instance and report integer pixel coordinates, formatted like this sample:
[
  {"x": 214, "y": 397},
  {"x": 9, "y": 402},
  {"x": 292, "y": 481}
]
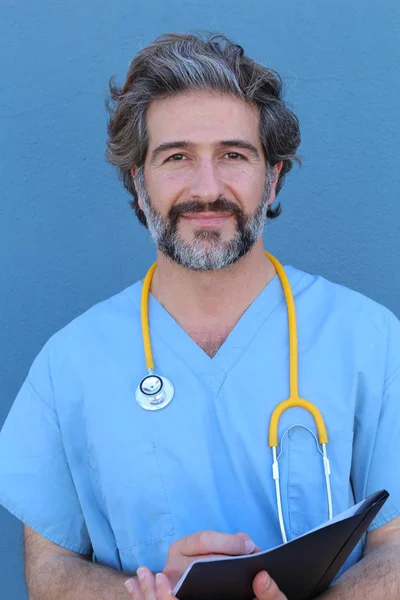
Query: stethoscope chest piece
[{"x": 154, "y": 392}]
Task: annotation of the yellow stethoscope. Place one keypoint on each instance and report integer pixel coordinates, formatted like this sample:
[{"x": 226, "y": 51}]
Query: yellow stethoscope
[{"x": 155, "y": 392}]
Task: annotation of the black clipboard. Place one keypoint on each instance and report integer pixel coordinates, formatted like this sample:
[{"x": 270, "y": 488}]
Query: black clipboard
[{"x": 302, "y": 568}]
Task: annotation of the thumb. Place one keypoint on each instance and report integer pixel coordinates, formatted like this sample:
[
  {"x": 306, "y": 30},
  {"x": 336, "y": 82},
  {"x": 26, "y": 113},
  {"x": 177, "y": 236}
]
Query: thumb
[{"x": 265, "y": 588}]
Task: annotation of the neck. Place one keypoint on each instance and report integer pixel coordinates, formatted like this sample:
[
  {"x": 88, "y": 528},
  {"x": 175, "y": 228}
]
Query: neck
[{"x": 198, "y": 296}]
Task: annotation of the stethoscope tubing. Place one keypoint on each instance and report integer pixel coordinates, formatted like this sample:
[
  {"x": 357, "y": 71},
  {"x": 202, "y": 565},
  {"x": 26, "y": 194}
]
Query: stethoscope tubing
[{"x": 153, "y": 402}]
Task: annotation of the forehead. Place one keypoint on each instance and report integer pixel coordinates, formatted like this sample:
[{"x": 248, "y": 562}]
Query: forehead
[{"x": 201, "y": 117}]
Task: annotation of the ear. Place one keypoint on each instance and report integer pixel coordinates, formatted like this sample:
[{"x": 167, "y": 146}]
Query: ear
[
  {"x": 134, "y": 170},
  {"x": 276, "y": 170}
]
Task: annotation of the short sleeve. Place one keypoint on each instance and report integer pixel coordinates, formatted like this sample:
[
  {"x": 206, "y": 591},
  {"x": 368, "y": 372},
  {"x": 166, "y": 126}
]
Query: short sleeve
[
  {"x": 36, "y": 484},
  {"x": 383, "y": 448}
]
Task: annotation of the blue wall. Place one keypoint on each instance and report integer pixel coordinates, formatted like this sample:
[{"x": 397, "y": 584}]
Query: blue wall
[{"x": 67, "y": 235}]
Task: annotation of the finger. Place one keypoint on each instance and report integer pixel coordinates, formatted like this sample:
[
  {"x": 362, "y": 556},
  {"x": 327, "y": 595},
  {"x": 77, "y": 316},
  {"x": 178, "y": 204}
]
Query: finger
[
  {"x": 265, "y": 588},
  {"x": 147, "y": 583},
  {"x": 246, "y": 536},
  {"x": 163, "y": 587},
  {"x": 190, "y": 559},
  {"x": 213, "y": 542},
  {"x": 133, "y": 588}
]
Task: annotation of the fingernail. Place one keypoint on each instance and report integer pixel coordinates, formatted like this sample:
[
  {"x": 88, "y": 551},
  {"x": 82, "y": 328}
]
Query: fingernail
[
  {"x": 129, "y": 586},
  {"x": 266, "y": 581},
  {"x": 141, "y": 573},
  {"x": 158, "y": 579},
  {"x": 249, "y": 546}
]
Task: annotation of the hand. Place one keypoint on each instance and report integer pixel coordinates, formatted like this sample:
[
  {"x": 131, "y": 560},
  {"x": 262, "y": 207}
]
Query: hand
[
  {"x": 159, "y": 588},
  {"x": 204, "y": 544}
]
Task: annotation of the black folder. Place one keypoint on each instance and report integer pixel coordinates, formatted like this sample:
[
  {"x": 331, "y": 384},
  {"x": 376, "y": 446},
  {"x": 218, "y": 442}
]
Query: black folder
[{"x": 302, "y": 568}]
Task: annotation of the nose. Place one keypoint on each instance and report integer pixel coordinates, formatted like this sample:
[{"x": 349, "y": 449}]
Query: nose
[{"x": 206, "y": 184}]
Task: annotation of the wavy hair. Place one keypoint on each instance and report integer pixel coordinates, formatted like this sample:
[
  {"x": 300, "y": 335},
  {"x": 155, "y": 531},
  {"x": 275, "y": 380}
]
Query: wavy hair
[{"x": 175, "y": 63}]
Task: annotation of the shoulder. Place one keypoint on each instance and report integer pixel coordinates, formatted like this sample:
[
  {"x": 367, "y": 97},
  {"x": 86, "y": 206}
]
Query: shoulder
[
  {"x": 318, "y": 291},
  {"x": 323, "y": 301},
  {"x": 103, "y": 325},
  {"x": 113, "y": 312}
]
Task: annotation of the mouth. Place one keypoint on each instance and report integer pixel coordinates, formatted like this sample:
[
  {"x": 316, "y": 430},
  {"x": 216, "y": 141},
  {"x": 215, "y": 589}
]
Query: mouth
[{"x": 207, "y": 219}]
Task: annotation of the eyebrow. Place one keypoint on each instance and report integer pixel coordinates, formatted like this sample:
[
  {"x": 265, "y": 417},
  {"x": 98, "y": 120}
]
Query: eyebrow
[{"x": 185, "y": 144}]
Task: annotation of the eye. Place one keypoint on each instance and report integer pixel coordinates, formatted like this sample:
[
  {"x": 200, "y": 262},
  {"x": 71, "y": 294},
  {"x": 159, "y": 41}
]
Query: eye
[
  {"x": 173, "y": 158},
  {"x": 234, "y": 155}
]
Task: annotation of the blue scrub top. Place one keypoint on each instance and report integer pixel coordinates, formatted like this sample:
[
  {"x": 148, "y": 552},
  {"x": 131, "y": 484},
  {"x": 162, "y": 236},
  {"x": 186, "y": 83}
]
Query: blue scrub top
[{"x": 84, "y": 465}]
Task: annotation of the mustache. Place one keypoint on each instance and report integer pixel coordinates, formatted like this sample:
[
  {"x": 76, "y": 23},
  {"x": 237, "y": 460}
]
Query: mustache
[{"x": 219, "y": 205}]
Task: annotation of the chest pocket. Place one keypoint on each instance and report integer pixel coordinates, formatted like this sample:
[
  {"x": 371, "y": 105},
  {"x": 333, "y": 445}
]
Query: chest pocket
[
  {"x": 306, "y": 488},
  {"x": 130, "y": 487}
]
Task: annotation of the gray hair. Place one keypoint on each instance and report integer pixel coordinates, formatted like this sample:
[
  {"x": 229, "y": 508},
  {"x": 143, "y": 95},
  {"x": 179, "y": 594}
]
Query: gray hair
[{"x": 175, "y": 63}]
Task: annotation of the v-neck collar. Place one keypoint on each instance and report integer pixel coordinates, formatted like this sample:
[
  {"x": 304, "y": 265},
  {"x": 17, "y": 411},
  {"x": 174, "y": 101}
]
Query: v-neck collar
[{"x": 213, "y": 371}]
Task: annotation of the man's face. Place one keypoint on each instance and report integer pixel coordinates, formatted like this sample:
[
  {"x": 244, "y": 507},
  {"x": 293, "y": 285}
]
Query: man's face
[{"x": 205, "y": 188}]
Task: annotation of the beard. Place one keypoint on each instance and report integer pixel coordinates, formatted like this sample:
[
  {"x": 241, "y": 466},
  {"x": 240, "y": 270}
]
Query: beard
[{"x": 207, "y": 251}]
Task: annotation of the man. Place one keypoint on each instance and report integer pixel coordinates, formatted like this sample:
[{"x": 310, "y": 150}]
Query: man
[{"x": 202, "y": 140}]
